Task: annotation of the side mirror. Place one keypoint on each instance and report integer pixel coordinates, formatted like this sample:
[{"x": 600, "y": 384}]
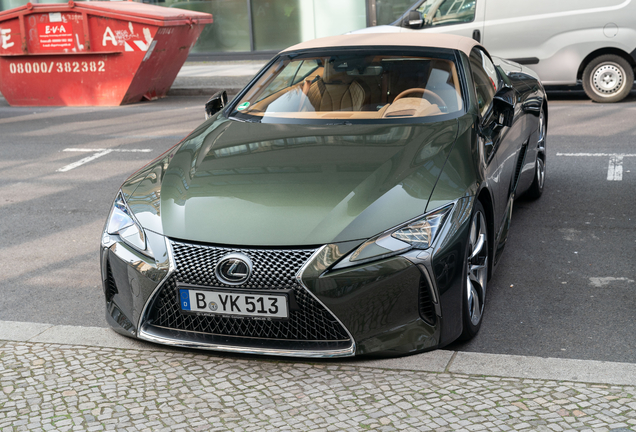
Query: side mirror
[
  {"x": 215, "y": 104},
  {"x": 504, "y": 106},
  {"x": 413, "y": 20}
]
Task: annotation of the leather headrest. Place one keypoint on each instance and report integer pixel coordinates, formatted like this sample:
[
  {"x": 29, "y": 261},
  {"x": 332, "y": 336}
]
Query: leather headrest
[{"x": 335, "y": 74}]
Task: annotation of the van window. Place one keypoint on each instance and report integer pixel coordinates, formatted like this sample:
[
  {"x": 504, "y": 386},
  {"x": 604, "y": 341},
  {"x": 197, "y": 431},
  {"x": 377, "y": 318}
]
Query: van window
[
  {"x": 446, "y": 12},
  {"x": 485, "y": 78},
  {"x": 569, "y": 8}
]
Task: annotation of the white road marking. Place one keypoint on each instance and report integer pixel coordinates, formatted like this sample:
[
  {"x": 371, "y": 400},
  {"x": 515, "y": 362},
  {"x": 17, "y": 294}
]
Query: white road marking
[
  {"x": 602, "y": 281},
  {"x": 97, "y": 154},
  {"x": 615, "y": 167},
  {"x": 85, "y": 160},
  {"x": 113, "y": 150},
  {"x": 597, "y": 154}
]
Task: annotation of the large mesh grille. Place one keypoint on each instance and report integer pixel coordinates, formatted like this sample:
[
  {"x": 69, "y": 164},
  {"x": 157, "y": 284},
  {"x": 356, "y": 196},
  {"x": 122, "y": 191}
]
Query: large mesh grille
[{"x": 272, "y": 269}]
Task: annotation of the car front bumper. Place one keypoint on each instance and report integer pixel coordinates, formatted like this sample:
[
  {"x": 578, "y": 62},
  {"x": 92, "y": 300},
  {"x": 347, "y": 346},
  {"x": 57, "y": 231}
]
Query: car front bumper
[{"x": 397, "y": 305}]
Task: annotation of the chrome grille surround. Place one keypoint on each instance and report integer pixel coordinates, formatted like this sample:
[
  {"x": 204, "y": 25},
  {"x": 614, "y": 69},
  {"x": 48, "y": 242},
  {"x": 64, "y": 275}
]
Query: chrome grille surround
[{"x": 312, "y": 331}]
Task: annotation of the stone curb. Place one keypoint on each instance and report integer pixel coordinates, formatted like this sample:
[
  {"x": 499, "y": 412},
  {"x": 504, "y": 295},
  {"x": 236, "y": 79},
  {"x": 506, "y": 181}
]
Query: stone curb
[{"x": 439, "y": 361}]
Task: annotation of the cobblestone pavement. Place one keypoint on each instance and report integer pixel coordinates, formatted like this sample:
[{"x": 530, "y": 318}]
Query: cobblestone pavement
[{"x": 64, "y": 387}]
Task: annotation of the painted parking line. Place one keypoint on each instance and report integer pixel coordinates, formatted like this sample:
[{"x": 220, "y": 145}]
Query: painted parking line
[
  {"x": 615, "y": 166},
  {"x": 97, "y": 153},
  {"x": 615, "y": 169}
]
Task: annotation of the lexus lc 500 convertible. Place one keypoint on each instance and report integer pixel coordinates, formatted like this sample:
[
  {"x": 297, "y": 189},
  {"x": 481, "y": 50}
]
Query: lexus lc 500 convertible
[{"x": 354, "y": 198}]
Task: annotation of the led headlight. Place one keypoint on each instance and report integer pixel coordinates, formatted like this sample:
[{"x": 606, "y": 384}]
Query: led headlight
[
  {"x": 417, "y": 234},
  {"x": 122, "y": 222},
  {"x": 421, "y": 233}
]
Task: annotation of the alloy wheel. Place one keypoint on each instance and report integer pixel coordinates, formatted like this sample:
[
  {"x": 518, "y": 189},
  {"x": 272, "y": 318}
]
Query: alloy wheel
[
  {"x": 540, "y": 169},
  {"x": 542, "y": 131},
  {"x": 477, "y": 268},
  {"x": 536, "y": 188},
  {"x": 540, "y": 172}
]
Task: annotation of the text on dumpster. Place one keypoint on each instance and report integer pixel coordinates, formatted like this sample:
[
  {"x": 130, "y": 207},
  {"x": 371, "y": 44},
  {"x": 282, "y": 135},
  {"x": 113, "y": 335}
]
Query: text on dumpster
[{"x": 44, "y": 67}]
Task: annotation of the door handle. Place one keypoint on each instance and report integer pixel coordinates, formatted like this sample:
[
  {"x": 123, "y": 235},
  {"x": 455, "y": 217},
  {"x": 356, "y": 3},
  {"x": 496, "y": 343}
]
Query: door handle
[{"x": 477, "y": 35}]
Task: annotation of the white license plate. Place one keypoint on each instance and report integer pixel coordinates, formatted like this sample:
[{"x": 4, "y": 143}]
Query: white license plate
[{"x": 232, "y": 303}]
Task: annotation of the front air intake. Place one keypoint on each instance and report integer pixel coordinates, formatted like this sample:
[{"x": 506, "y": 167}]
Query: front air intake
[{"x": 426, "y": 306}]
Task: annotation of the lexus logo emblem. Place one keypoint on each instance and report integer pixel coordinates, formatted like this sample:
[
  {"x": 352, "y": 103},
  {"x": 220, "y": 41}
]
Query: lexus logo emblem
[{"x": 234, "y": 269}]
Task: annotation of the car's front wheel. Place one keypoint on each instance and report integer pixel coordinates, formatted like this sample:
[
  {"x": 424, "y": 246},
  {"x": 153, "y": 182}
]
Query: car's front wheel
[
  {"x": 608, "y": 78},
  {"x": 475, "y": 273}
]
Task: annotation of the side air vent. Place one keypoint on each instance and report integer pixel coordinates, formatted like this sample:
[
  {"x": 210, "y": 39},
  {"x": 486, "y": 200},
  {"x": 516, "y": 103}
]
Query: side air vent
[
  {"x": 520, "y": 161},
  {"x": 426, "y": 306},
  {"x": 111, "y": 286}
]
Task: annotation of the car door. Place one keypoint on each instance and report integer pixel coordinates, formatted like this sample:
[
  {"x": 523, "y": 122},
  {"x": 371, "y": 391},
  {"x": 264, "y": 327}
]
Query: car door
[
  {"x": 460, "y": 17},
  {"x": 502, "y": 143}
]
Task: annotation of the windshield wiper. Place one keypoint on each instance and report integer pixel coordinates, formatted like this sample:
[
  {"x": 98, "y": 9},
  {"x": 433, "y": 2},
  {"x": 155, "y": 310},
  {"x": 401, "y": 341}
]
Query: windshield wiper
[
  {"x": 249, "y": 120},
  {"x": 345, "y": 123}
]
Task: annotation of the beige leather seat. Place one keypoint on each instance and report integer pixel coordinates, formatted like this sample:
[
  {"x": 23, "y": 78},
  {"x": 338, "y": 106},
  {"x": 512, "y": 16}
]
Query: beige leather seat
[{"x": 336, "y": 91}]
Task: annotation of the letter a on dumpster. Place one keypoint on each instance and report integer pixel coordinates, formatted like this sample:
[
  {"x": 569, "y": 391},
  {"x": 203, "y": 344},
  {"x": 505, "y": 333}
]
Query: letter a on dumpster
[{"x": 108, "y": 35}]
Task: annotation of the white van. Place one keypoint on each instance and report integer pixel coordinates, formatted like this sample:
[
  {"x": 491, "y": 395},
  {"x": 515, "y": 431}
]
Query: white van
[{"x": 564, "y": 41}]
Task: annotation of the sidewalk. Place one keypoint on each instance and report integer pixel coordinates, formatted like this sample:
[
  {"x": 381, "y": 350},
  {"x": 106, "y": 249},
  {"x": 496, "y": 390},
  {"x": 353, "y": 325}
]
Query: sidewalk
[
  {"x": 80, "y": 378},
  {"x": 206, "y": 78}
]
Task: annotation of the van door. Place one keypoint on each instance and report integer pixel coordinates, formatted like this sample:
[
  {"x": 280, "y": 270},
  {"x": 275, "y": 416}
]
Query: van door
[
  {"x": 553, "y": 37},
  {"x": 460, "y": 17}
]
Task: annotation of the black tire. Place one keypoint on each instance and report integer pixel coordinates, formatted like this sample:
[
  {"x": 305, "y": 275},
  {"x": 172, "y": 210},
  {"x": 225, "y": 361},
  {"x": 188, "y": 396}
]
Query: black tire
[
  {"x": 608, "y": 78},
  {"x": 536, "y": 189},
  {"x": 475, "y": 273}
]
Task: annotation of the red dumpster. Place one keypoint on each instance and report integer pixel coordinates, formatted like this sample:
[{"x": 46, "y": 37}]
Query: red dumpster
[{"x": 93, "y": 53}]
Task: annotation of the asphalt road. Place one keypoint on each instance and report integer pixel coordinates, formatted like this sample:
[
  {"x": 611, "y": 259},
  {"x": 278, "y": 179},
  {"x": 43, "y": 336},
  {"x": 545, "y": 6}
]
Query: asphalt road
[
  {"x": 50, "y": 221},
  {"x": 565, "y": 286}
]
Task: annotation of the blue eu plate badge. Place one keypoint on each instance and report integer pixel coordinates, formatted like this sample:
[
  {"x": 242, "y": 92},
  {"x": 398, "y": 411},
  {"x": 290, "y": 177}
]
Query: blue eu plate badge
[{"x": 185, "y": 299}]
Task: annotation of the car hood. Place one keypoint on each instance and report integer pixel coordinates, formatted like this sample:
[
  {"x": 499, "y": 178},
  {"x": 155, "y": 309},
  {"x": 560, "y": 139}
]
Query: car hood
[{"x": 259, "y": 184}]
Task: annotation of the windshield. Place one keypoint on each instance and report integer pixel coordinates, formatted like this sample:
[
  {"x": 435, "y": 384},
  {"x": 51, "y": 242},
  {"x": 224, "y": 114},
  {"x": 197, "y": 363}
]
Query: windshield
[{"x": 353, "y": 86}]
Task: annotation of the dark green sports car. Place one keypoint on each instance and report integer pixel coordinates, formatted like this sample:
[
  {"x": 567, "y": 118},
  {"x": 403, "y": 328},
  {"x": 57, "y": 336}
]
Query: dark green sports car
[{"x": 354, "y": 198}]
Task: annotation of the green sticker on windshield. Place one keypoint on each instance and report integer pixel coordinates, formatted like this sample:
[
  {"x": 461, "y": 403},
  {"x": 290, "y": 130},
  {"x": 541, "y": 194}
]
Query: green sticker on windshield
[{"x": 243, "y": 106}]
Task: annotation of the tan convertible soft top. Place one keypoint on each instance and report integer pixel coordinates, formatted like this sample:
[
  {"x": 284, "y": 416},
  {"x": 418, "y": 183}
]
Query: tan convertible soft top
[{"x": 408, "y": 39}]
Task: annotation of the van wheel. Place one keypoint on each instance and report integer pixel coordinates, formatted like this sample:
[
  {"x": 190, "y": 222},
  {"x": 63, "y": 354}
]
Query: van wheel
[{"x": 608, "y": 78}]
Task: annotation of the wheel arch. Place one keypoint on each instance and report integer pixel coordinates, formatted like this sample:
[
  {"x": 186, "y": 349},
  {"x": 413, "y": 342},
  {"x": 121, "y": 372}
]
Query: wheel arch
[{"x": 603, "y": 51}]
